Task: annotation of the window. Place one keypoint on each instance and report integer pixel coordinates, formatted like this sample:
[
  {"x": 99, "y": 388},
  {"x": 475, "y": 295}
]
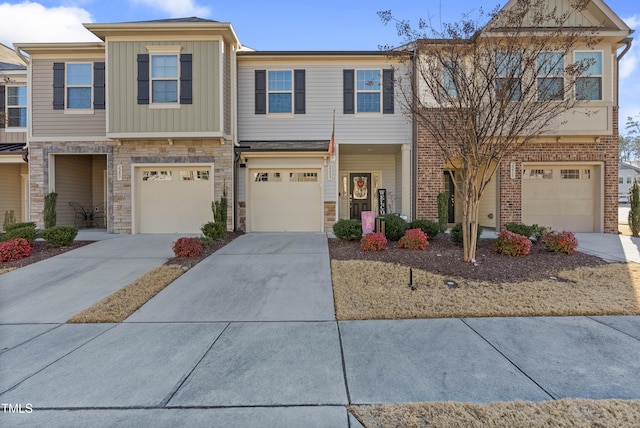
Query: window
[
  {"x": 451, "y": 69},
  {"x": 620, "y": 180},
  {"x": 202, "y": 175},
  {"x": 164, "y": 78},
  {"x": 368, "y": 91},
  {"x": 157, "y": 176},
  {"x": 79, "y": 83},
  {"x": 628, "y": 180},
  {"x": 508, "y": 84},
  {"x": 570, "y": 174},
  {"x": 298, "y": 177},
  {"x": 280, "y": 90},
  {"x": 550, "y": 76},
  {"x": 533, "y": 174},
  {"x": 589, "y": 87},
  {"x": 16, "y": 106}
]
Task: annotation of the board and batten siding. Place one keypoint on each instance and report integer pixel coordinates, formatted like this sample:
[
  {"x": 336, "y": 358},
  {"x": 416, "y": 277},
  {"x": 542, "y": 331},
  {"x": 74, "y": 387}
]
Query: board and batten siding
[
  {"x": 12, "y": 137},
  {"x": 48, "y": 122},
  {"x": 323, "y": 92},
  {"x": 127, "y": 116},
  {"x": 11, "y": 189}
]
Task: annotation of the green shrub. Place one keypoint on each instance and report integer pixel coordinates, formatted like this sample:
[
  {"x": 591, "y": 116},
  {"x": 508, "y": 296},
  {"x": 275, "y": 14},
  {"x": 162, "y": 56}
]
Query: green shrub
[
  {"x": 373, "y": 242},
  {"x": 394, "y": 227},
  {"x": 564, "y": 242},
  {"x": 430, "y": 228},
  {"x": 634, "y": 209},
  {"x": 213, "y": 230},
  {"x": 29, "y": 233},
  {"x": 20, "y": 226},
  {"x": 443, "y": 211},
  {"x": 348, "y": 230},
  {"x": 14, "y": 249},
  {"x": 539, "y": 231},
  {"x": 50, "y": 210},
  {"x": 520, "y": 229},
  {"x": 206, "y": 241},
  {"x": 456, "y": 233},
  {"x": 60, "y": 236},
  {"x": 9, "y": 219},
  {"x": 414, "y": 239},
  {"x": 512, "y": 244},
  {"x": 187, "y": 247}
]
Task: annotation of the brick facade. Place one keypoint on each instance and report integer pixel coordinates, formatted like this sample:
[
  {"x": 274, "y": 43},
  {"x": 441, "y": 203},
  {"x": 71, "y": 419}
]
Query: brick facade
[{"x": 604, "y": 150}]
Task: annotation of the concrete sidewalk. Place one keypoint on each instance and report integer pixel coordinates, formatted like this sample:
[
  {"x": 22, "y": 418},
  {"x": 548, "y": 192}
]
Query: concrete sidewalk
[
  {"x": 249, "y": 338},
  {"x": 610, "y": 247}
]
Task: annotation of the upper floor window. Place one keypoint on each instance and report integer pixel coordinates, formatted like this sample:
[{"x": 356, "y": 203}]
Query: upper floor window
[
  {"x": 280, "y": 89},
  {"x": 450, "y": 70},
  {"x": 589, "y": 86},
  {"x": 368, "y": 91},
  {"x": 550, "y": 80},
  {"x": 79, "y": 83},
  {"x": 508, "y": 76},
  {"x": 16, "y": 106},
  {"x": 164, "y": 78}
]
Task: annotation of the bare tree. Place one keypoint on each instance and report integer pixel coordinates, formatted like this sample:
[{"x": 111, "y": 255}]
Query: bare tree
[{"x": 480, "y": 92}]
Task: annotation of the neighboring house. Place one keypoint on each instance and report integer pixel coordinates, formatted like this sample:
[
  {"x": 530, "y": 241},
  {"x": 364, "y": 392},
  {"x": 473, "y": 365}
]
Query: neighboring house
[
  {"x": 14, "y": 192},
  {"x": 139, "y": 126},
  {"x": 566, "y": 180},
  {"x": 287, "y": 102},
  {"x": 626, "y": 173}
]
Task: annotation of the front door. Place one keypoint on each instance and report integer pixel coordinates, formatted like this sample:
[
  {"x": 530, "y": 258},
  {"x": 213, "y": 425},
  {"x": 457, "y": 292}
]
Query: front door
[
  {"x": 359, "y": 193},
  {"x": 450, "y": 190}
]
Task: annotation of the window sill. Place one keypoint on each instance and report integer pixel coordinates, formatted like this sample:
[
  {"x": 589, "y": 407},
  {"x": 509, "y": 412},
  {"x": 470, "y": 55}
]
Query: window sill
[
  {"x": 10, "y": 129},
  {"x": 368, "y": 115},
  {"x": 161, "y": 106},
  {"x": 280, "y": 115},
  {"x": 78, "y": 111}
]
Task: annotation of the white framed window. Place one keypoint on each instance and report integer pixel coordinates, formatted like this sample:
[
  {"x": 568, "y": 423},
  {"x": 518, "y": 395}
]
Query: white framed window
[
  {"x": 368, "y": 91},
  {"x": 165, "y": 76},
  {"x": 79, "y": 86},
  {"x": 300, "y": 177},
  {"x": 449, "y": 71},
  {"x": 537, "y": 174},
  {"x": 280, "y": 91},
  {"x": 589, "y": 85},
  {"x": 628, "y": 180},
  {"x": 155, "y": 175},
  {"x": 508, "y": 76},
  {"x": 550, "y": 80},
  {"x": 16, "y": 103},
  {"x": 620, "y": 180}
]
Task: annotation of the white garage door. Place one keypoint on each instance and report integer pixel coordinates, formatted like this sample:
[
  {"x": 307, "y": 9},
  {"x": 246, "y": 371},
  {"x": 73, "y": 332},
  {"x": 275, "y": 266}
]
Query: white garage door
[
  {"x": 562, "y": 197},
  {"x": 173, "y": 199},
  {"x": 285, "y": 200}
]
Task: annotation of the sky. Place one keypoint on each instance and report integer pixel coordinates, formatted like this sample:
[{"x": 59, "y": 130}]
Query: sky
[{"x": 283, "y": 24}]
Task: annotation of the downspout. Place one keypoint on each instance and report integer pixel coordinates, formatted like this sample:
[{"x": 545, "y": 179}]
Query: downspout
[
  {"x": 627, "y": 43},
  {"x": 234, "y": 125},
  {"x": 414, "y": 138}
]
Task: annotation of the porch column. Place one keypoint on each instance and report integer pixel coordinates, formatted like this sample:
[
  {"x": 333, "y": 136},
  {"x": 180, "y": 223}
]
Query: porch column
[{"x": 406, "y": 180}]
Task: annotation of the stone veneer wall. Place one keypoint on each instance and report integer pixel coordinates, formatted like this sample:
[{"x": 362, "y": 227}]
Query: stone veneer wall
[
  {"x": 329, "y": 216},
  {"x": 429, "y": 174},
  {"x": 128, "y": 152}
]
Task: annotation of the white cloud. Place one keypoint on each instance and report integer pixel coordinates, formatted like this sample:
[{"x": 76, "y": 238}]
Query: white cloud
[
  {"x": 177, "y": 8},
  {"x": 29, "y": 22}
]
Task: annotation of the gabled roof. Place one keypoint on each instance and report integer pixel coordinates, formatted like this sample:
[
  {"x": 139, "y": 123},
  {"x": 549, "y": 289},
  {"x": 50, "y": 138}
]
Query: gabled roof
[
  {"x": 10, "y": 60},
  {"x": 625, "y": 165}
]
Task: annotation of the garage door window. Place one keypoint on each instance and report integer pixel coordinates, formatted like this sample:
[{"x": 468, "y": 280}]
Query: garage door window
[
  {"x": 303, "y": 177},
  {"x": 202, "y": 175},
  {"x": 537, "y": 174},
  {"x": 267, "y": 176},
  {"x": 575, "y": 174},
  {"x": 156, "y": 176}
]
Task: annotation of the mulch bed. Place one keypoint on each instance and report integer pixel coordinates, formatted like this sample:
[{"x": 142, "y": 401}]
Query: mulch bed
[
  {"x": 42, "y": 250},
  {"x": 189, "y": 262},
  {"x": 446, "y": 258}
]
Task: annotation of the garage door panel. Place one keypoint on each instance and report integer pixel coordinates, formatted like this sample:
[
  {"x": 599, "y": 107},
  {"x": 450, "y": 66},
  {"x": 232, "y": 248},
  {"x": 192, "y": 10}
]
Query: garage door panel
[{"x": 561, "y": 197}]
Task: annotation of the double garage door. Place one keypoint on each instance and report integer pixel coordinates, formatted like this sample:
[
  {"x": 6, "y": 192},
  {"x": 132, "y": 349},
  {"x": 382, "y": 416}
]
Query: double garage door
[
  {"x": 564, "y": 197},
  {"x": 173, "y": 199},
  {"x": 285, "y": 200}
]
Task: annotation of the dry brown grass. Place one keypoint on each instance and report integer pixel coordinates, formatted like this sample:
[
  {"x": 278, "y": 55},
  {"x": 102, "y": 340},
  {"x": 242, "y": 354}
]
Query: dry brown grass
[
  {"x": 119, "y": 305},
  {"x": 376, "y": 290},
  {"x": 5, "y": 270},
  {"x": 561, "y": 413}
]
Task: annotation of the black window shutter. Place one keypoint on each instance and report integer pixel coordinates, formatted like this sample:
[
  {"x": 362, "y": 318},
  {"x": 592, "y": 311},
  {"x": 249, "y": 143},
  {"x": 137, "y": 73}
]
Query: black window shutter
[
  {"x": 261, "y": 92},
  {"x": 143, "y": 78},
  {"x": 2, "y": 105},
  {"x": 387, "y": 91},
  {"x": 98, "y": 86},
  {"x": 58, "y": 85},
  {"x": 349, "y": 91},
  {"x": 299, "y": 91},
  {"x": 186, "y": 86}
]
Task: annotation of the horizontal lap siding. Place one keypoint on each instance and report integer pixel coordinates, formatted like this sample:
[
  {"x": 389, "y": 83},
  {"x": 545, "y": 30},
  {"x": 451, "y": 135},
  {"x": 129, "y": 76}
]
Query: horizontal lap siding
[
  {"x": 48, "y": 122},
  {"x": 72, "y": 184},
  {"x": 127, "y": 116}
]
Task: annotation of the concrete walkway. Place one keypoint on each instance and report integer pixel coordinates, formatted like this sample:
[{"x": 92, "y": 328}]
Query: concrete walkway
[{"x": 248, "y": 338}]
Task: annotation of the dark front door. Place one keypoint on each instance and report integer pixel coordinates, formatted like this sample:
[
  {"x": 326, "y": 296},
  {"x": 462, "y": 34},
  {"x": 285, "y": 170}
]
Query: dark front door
[
  {"x": 359, "y": 193},
  {"x": 450, "y": 189}
]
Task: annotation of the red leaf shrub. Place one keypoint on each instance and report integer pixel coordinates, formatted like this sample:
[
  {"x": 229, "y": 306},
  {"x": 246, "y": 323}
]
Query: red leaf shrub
[
  {"x": 414, "y": 239},
  {"x": 373, "y": 242},
  {"x": 562, "y": 242},
  {"x": 511, "y": 244},
  {"x": 14, "y": 249},
  {"x": 187, "y": 247}
]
